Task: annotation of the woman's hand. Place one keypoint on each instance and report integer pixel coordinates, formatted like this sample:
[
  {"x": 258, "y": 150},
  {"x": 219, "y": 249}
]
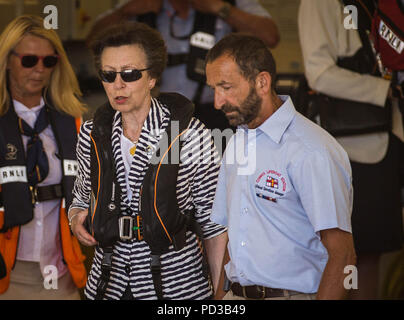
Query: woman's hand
[{"x": 77, "y": 225}]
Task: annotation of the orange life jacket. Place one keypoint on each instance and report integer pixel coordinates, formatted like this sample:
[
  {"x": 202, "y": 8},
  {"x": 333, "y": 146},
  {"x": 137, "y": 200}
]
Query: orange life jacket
[{"x": 14, "y": 194}]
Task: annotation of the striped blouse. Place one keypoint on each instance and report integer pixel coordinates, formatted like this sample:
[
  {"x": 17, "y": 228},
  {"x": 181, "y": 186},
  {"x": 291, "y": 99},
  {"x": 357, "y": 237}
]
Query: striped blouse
[{"x": 181, "y": 271}]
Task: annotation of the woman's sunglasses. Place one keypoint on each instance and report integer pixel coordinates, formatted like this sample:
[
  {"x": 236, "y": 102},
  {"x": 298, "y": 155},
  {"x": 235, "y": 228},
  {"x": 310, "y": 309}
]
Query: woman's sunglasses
[
  {"x": 129, "y": 75},
  {"x": 30, "y": 60}
]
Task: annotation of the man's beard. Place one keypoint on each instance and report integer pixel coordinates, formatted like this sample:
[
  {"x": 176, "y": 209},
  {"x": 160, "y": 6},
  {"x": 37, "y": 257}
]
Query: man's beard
[{"x": 246, "y": 112}]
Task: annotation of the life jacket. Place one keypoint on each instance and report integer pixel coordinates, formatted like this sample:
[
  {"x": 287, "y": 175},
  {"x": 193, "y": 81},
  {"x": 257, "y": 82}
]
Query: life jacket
[
  {"x": 162, "y": 222},
  {"x": 343, "y": 117},
  {"x": 388, "y": 33},
  {"x": 17, "y": 206}
]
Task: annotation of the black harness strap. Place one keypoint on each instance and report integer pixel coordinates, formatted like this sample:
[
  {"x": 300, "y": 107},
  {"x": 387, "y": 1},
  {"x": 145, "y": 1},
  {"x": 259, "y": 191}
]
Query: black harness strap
[
  {"x": 155, "y": 267},
  {"x": 155, "y": 263},
  {"x": 106, "y": 267}
]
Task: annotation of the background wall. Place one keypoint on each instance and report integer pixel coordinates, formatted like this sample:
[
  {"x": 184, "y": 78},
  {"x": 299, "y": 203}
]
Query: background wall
[
  {"x": 288, "y": 53},
  {"x": 77, "y": 16}
]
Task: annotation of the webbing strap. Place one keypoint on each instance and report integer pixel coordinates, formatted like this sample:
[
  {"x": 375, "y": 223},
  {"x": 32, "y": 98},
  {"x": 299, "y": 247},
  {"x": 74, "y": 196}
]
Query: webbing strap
[
  {"x": 155, "y": 268},
  {"x": 106, "y": 266}
]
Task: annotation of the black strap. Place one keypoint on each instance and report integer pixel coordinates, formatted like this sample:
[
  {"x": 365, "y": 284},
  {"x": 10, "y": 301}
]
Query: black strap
[
  {"x": 106, "y": 267},
  {"x": 43, "y": 193},
  {"x": 155, "y": 268},
  {"x": 50, "y": 192}
]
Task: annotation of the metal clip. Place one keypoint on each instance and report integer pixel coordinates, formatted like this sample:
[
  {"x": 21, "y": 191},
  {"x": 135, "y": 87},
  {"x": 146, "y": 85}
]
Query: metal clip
[
  {"x": 262, "y": 291},
  {"x": 34, "y": 194},
  {"x": 244, "y": 293},
  {"x": 122, "y": 228}
]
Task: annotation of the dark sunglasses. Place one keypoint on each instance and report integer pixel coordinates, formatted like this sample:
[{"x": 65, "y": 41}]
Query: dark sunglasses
[
  {"x": 30, "y": 60},
  {"x": 129, "y": 75}
]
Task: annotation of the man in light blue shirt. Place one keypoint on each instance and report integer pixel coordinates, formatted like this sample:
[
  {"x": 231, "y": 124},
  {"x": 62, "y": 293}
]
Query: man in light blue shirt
[{"x": 287, "y": 204}]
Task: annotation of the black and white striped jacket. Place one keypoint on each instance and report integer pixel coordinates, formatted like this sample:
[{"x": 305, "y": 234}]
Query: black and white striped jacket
[{"x": 181, "y": 272}]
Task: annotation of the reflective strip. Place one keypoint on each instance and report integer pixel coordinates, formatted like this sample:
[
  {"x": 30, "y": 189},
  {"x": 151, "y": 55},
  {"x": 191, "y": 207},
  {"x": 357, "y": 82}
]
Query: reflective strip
[
  {"x": 70, "y": 167},
  {"x": 392, "y": 39},
  {"x": 202, "y": 40},
  {"x": 13, "y": 174}
]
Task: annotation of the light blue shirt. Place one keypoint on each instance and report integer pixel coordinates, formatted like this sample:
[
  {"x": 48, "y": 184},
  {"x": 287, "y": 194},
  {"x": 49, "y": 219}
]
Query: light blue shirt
[{"x": 297, "y": 181}]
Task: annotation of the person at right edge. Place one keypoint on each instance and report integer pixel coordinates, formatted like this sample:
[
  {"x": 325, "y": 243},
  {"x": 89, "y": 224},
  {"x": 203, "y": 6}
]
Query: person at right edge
[{"x": 332, "y": 52}]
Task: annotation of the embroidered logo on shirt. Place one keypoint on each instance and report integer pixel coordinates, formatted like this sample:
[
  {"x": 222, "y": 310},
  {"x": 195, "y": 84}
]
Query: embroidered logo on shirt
[
  {"x": 272, "y": 182},
  {"x": 270, "y": 185},
  {"x": 260, "y": 195}
]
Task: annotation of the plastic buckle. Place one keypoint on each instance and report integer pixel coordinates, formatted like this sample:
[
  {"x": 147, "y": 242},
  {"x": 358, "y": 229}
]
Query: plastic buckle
[
  {"x": 139, "y": 227},
  {"x": 125, "y": 231},
  {"x": 155, "y": 264},
  {"x": 107, "y": 259}
]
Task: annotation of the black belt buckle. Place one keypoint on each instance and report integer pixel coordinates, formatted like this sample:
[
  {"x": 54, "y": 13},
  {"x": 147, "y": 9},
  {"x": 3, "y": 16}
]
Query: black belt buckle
[{"x": 45, "y": 193}]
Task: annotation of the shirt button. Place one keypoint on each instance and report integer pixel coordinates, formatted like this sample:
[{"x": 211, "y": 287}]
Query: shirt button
[
  {"x": 245, "y": 210},
  {"x": 243, "y": 243},
  {"x": 39, "y": 223}
]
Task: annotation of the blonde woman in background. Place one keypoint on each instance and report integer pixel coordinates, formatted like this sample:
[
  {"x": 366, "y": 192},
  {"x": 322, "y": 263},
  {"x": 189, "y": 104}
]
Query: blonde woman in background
[{"x": 39, "y": 117}]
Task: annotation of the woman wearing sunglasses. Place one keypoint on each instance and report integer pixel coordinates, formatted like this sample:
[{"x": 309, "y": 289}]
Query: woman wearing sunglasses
[
  {"x": 39, "y": 119},
  {"x": 134, "y": 208}
]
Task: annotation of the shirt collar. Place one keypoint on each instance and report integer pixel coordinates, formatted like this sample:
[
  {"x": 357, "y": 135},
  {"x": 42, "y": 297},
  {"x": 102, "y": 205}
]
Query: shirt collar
[
  {"x": 276, "y": 125},
  {"x": 22, "y": 108}
]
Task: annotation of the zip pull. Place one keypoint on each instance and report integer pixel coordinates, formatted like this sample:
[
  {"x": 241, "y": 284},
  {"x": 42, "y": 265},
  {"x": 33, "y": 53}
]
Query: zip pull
[{"x": 113, "y": 192}]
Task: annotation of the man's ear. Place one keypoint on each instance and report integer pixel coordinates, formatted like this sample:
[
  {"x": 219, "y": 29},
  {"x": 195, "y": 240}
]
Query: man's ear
[{"x": 263, "y": 82}]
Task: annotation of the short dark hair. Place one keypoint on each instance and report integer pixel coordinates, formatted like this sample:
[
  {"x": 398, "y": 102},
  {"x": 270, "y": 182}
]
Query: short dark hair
[
  {"x": 128, "y": 33},
  {"x": 250, "y": 54}
]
